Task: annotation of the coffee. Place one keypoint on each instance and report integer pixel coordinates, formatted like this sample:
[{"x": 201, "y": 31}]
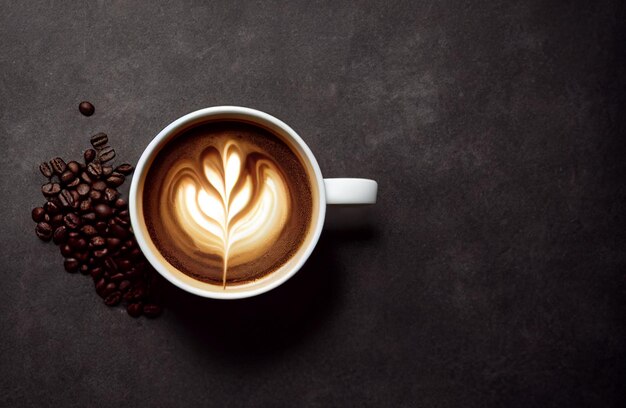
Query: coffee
[{"x": 227, "y": 202}]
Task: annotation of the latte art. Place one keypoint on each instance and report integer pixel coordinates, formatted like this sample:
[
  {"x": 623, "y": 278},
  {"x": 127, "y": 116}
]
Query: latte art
[
  {"x": 227, "y": 203},
  {"x": 230, "y": 202}
]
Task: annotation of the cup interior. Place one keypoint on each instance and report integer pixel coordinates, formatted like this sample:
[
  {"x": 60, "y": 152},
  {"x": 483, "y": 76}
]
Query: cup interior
[{"x": 216, "y": 114}]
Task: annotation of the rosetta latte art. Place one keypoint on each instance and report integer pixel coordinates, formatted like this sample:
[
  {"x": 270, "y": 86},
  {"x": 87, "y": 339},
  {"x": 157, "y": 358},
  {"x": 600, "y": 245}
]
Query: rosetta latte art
[{"x": 229, "y": 202}]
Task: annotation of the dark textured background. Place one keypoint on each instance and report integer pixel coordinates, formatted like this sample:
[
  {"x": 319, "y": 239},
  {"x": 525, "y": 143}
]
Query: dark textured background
[{"x": 490, "y": 273}]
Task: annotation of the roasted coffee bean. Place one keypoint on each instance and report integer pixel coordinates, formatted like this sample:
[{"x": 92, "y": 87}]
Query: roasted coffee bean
[
  {"x": 84, "y": 177},
  {"x": 51, "y": 189},
  {"x": 99, "y": 140},
  {"x": 94, "y": 169},
  {"x": 120, "y": 203},
  {"x": 118, "y": 277},
  {"x": 95, "y": 195},
  {"x": 74, "y": 182},
  {"x": 71, "y": 264},
  {"x": 75, "y": 198},
  {"x": 57, "y": 220},
  {"x": 77, "y": 244},
  {"x": 99, "y": 185},
  {"x": 84, "y": 269},
  {"x": 72, "y": 221},
  {"x": 118, "y": 231},
  {"x": 85, "y": 205},
  {"x": 135, "y": 253},
  {"x": 60, "y": 235},
  {"x": 96, "y": 272},
  {"x": 45, "y": 169},
  {"x": 125, "y": 169},
  {"x": 103, "y": 211},
  {"x": 101, "y": 286},
  {"x": 152, "y": 310},
  {"x": 43, "y": 231},
  {"x": 67, "y": 177},
  {"x": 100, "y": 253},
  {"x": 38, "y": 214},
  {"x": 115, "y": 180},
  {"x": 110, "y": 264},
  {"x": 101, "y": 227},
  {"x": 66, "y": 250},
  {"x": 120, "y": 221},
  {"x": 124, "y": 264},
  {"x": 106, "y": 171},
  {"x": 74, "y": 167},
  {"x": 83, "y": 189},
  {"x": 73, "y": 234},
  {"x": 110, "y": 288},
  {"x": 113, "y": 299},
  {"x": 82, "y": 256},
  {"x": 98, "y": 241},
  {"x": 106, "y": 154},
  {"x": 58, "y": 165},
  {"x": 89, "y": 155},
  {"x": 66, "y": 198},
  {"x": 88, "y": 230},
  {"x": 134, "y": 309},
  {"x": 89, "y": 217},
  {"x": 124, "y": 215},
  {"x": 124, "y": 285},
  {"x": 51, "y": 207},
  {"x": 112, "y": 243},
  {"x": 86, "y": 108},
  {"x": 110, "y": 194}
]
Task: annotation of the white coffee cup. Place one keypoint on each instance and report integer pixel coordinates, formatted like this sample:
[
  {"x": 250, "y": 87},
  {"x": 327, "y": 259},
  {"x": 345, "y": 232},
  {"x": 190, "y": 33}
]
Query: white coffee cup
[{"x": 325, "y": 191}]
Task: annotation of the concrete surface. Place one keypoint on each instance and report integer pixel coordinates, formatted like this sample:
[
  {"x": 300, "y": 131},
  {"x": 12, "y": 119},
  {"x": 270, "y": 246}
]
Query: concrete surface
[{"x": 491, "y": 273}]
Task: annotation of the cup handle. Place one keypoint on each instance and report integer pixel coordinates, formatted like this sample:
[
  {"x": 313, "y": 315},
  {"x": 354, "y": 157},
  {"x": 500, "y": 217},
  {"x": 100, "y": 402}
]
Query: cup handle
[{"x": 350, "y": 191}]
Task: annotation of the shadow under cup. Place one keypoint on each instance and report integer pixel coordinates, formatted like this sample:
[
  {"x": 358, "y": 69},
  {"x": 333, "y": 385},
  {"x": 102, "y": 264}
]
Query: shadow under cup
[{"x": 218, "y": 114}]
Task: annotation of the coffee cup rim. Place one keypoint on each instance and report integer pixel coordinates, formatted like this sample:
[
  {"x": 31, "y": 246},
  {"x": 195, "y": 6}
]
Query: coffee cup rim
[{"x": 255, "y": 116}]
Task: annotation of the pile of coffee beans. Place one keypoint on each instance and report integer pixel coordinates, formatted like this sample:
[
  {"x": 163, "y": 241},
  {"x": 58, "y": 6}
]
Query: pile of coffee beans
[{"x": 89, "y": 221}]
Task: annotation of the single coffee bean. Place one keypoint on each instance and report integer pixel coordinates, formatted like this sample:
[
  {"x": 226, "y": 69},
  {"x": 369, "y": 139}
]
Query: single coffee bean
[
  {"x": 99, "y": 140},
  {"x": 135, "y": 253},
  {"x": 107, "y": 170},
  {"x": 51, "y": 207},
  {"x": 99, "y": 185},
  {"x": 58, "y": 165},
  {"x": 74, "y": 182},
  {"x": 152, "y": 310},
  {"x": 43, "y": 231},
  {"x": 83, "y": 189},
  {"x": 88, "y": 230},
  {"x": 103, "y": 210},
  {"x": 110, "y": 288},
  {"x": 124, "y": 285},
  {"x": 77, "y": 244},
  {"x": 110, "y": 194},
  {"x": 124, "y": 215},
  {"x": 84, "y": 177},
  {"x": 89, "y": 155},
  {"x": 84, "y": 269},
  {"x": 94, "y": 169},
  {"x": 115, "y": 180},
  {"x": 98, "y": 241},
  {"x": 75, "y": 198},
  {"x": 95, "y": 195},
  {"x": 100, "y": 253},
  {"x": 120, "y": 221},
  {"x": 66, "y": 198},
  {"x": 138, "y": 292},
  {"x": 57, "y": 220},
  {"x": 125, "y": 169},
  {"x": 113, "y": 299},
  {"x": 124, "y": 264},
  {"x": 38, "y": 214},
  {"x": 72, "y": 221},
  {"x": 118, "y": 277},
  {"x": 74, "y": 167},
  {"x": 82, "y": 256},
  {"x": 101, "y": 227},
  {"x": 45, "y": 169},
  {"x": 73, "y": 234},
  {"x": 89, "y": 217},
  {"x": 96, "y": 272},
  {"x": 66, "y": 250},
  {"x": 85, "y": 205},
  {"x": 67, "y": 177},
  {"x": 86, "y": 108},
  {"x": 112, "y": 243},
  {"x": 110, "y": 264},
  {"x": 118, "y": 231},
  {"x": 120, "y": 203},
  {"x": 100, "y": 286},
  {"x": 71, "y": 264},
  {"x": 60, "y": 235},
  {"x": 51, "y": 189},
  {"x": 134, "y": 309},
  {"x": 106, "y": 154}
]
